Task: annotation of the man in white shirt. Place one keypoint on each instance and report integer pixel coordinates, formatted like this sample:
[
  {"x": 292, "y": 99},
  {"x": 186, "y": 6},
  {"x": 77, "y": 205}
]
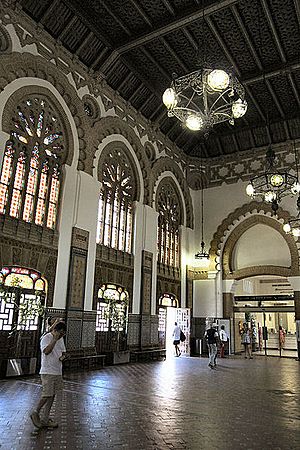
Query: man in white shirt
[
  {"x": 176, "y": 339},
  {"x": 223, "y": 339},
  {"x": 53, "y": 353}
]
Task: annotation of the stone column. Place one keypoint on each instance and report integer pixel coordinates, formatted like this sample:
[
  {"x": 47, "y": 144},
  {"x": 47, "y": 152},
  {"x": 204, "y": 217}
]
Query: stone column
[{"x": 295, "y": 283}]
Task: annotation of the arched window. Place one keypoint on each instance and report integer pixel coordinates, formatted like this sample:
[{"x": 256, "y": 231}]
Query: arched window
[
  {"x": 22, "y": 298},
  {"x": 115, "y": 218},
  {"x": 31, "y": 171},
  {"x": 168, "y": 207}
]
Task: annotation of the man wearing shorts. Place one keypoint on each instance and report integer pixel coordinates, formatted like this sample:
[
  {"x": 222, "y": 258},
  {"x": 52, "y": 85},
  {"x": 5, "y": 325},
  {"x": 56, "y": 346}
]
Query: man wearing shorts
[{"x": 53, "y": 353}]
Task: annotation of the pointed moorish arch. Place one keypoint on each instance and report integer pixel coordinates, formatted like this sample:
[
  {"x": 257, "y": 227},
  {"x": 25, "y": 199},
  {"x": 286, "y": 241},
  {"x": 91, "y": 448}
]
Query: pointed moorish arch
[{"x": 236, "y": 224}]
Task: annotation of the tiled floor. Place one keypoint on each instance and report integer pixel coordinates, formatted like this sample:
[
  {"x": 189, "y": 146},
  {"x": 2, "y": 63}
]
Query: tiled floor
[{"x": 175, "y": 404}]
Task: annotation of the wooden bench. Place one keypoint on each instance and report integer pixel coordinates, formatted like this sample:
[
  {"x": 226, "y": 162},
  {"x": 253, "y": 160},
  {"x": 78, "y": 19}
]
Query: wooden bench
[
  {"x": 85, "y": 359},
  {"x": 147, "y": 354}
]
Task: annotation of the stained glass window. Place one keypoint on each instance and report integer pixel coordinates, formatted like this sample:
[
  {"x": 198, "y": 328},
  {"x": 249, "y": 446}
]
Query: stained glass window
[
  {"x": 168, "y": 207},
  {"x": 114, "y": 228},
  {"x": 31, "y": 169}
]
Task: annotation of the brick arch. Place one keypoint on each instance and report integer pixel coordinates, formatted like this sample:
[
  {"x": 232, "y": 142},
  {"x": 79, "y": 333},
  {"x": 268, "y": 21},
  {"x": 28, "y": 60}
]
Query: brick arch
[
  {"x": 16, "y": 65},
  {"x": 165, "y": 164},
  {"x": 114, "y": 125},
  {"x": 232, "y": 228}
]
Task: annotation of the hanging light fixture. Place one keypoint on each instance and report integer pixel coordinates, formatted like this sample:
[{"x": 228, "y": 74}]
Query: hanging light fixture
[
  {"x": 202, "y": 256},
  {"x": 205, "y": 97},
  {"x": 274, "y": 184}
]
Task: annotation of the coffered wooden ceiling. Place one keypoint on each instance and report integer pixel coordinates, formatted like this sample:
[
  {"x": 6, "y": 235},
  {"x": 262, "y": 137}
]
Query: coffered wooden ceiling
[{"x": 139, "y": 44}]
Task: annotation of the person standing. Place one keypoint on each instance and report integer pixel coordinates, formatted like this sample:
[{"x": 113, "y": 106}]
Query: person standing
[
  {"x": 281, "y": 338},
  {"x": 176, "y": 339},
  {"x": 247, "y": 341},
  {"x": 53, "y": 353},
  {"x": 212, "y": 339},
  {"x": 223, "y": 340}
]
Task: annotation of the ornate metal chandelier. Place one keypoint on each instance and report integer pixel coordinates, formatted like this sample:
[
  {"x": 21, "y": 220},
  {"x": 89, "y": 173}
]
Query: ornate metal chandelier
[
  {"x": 273, "y": 184},
  {"x": 205, "y": 97},
  {"x": 202, "y": 256}
]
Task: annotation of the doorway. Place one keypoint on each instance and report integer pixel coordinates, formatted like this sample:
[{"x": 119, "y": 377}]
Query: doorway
[
  {"x": 273, "y": 330},
  {"x": 167, "y": 318}
]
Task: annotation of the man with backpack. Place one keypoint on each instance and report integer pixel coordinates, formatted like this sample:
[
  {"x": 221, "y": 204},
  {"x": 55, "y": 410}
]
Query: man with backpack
[{"x": 212, "y": 339}]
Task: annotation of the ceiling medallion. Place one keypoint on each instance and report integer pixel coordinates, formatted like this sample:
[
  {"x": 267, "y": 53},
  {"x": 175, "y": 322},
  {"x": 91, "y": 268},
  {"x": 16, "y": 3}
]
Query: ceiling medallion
[{"x": 204, "y": 98}]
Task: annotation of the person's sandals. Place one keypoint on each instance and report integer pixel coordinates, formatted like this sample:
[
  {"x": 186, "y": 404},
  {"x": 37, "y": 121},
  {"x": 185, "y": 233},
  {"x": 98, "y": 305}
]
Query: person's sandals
[{"x": 34, "y": 416}]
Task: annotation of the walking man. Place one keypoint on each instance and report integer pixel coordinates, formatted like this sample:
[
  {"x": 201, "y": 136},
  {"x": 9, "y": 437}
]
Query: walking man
[
  {"x": 53, "y": 353},
  {"x": 212, "y": 339},
  {"x": 176, "y": 337}
]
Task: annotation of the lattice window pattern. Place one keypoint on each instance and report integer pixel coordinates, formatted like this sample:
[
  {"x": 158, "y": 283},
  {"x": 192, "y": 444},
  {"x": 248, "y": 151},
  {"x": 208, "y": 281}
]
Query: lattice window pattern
[
  {"x": 107, "y": 294},
  {"x": 168, "y": 243},
  {"x": 31, "y": 170},
  {"x": 114, "y": 227}
]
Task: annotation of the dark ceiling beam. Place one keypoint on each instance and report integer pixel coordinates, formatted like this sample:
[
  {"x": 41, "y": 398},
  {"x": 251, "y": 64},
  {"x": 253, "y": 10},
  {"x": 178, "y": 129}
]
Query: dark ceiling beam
[
  {"x": 169, "y": 7},
  {"x": 162, "y": 115},
  {"x": 294, "y": 88},
  {"x": 155, "y": 63},
  {"x": 237, "y": 147},
  {"x": 182, "y": 132},
  {"x": 76, "y": 6},
  {"x": 84, "y": 43},
  {"x": 273, "y": 29},
  {"x": 124, "y": 81},
  {"x": 246, "y": 36},
  {"x": 49, "y": 10},
  {"x": 156, "y": 111},
  {"x": 297, "y": 8},
  {"x": 247, "y": 89},
  {"x": 288, "y": 68},
  {"x": 99, "y": 57},
  {"x": 274, "y": 96},
  {"x": 252, "y": 140},
  {"x": 142, "y": 13},
  {"x": 220, "y": 146},
  {"x": 176, "y": 25},
  {"x": 191, "y": 39},
  {"x": 112, "y": 14},
  {"x": 109, "y": 61},
  {"x": 67, "y": 28},
  {"x": 174, "y": 54},
  {"x": 146, "y": 102},
  {"x": 135, "y": 91},
  {"x": 223, "y": 46}
]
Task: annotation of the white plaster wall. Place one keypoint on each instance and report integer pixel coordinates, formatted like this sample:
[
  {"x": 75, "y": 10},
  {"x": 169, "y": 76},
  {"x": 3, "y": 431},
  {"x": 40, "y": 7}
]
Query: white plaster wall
[
  {"x": 259, "y": 246},
  {"x": 86, "y": 219},
  {"x": 205, "y": 302}
]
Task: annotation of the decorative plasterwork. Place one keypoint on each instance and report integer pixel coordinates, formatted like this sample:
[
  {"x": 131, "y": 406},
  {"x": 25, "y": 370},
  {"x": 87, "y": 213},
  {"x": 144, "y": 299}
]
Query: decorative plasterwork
[
  {"x": 30, "y": 91},
  {"x": 113, "y": 125},
  {"x": 66, "y": 63},
  {"x": 24, "y": 65},
  {"x": 5, "y": 41},
  {"x": 165, "y": 164},
  {"x": 232, "y": 228}
]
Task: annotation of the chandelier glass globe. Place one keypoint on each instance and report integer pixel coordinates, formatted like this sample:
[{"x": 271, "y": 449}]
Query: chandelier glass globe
[
  {"x": 169, "y": 98},
  {"x": 276, "y": 180},
  {"x": 270, "y": 196},
  {"x": 194, "y": 122},
  {"x": 239, "y": 108},
  {"x": 218, "y": 80},
  {"x": 295, "y": 188},
  {"x": 287, "y": 228}
]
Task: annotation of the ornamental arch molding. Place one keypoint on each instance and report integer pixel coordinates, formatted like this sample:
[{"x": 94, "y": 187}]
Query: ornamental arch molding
[
  {"x": 118, "y": 146},
  {"x": 30, "y": 91},
  {"x": 165, "y": 164},
  {"x": 16, "y": 66},
  {"x": 169, "y": 184},
  {"x": 236, "y": 224},
  {"x": 108, "y": 126}
]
